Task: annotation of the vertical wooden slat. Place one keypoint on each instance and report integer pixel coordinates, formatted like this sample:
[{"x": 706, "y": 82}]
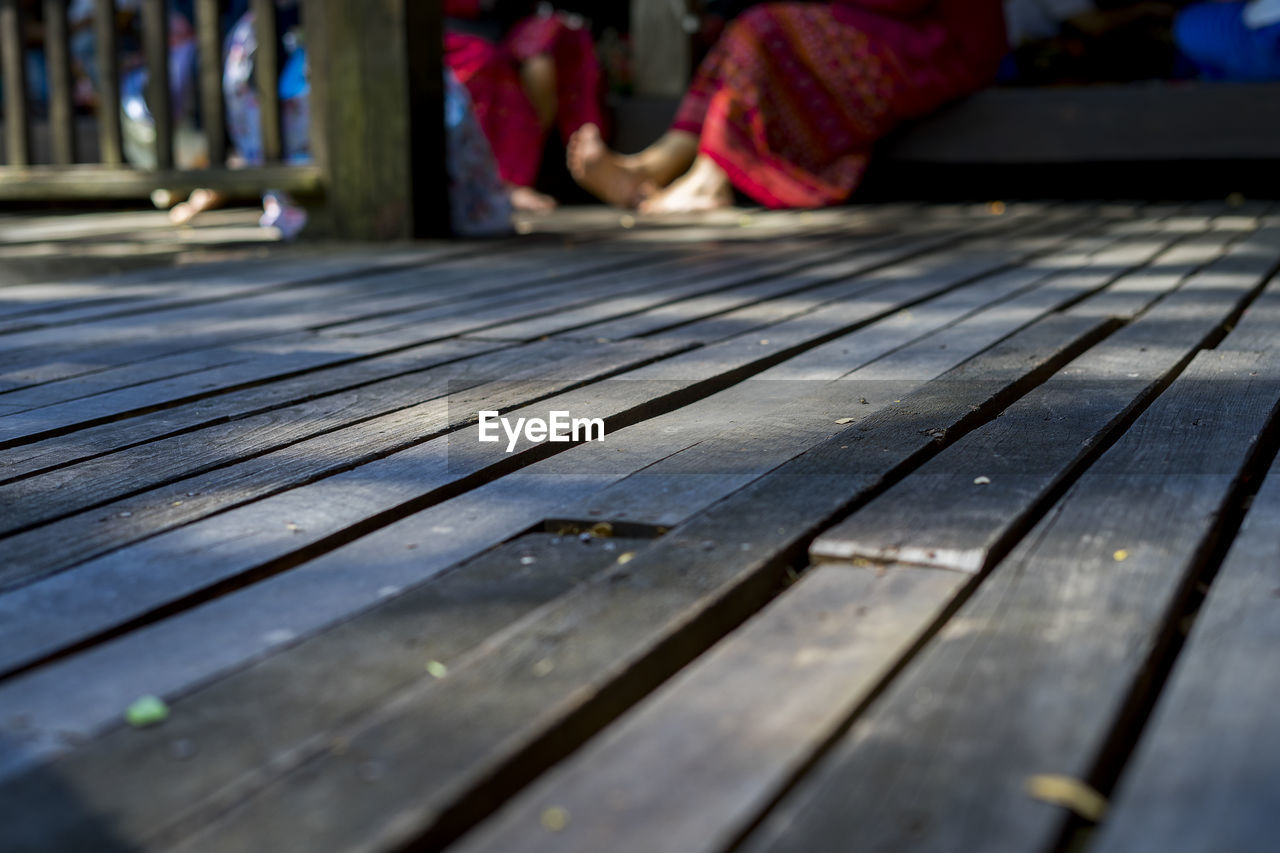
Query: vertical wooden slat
[
  {"x": 661, "y": 47},
  {"x": 266, "y": 67},
  {"x": 212, "y": 115},
  {"x": 17, "y": 136},
  {"x": 155, "y": 46},
  {"x": 57, "y": 52},
  {"x": 108, "y": 58},
  {"x": 424, "y": 51},
  {"x": 377, "y": 113}
]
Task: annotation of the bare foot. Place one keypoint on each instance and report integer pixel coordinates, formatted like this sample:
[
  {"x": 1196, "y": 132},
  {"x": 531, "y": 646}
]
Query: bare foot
[
  {"x": 198, "y": 202},
  {"x": 604, "y": 173},
  {"x": 530, "y": 200},
  {"x": 704, "y": 187}
]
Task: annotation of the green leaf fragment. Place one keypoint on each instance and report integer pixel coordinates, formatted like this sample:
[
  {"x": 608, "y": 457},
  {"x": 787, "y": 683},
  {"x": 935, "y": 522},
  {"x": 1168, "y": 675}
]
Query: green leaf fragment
[{"x": 146, "y": 711}]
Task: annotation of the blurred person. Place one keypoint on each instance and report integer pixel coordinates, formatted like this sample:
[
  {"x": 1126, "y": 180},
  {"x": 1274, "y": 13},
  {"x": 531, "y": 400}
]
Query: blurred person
[
  {"x": 1056, "y": 42},
  {"x": 789, "y": 102},
  {"x": 244, "y": 115},
  {"x": 525, "y": 74},
  {"x": 1236, "y": 41}
]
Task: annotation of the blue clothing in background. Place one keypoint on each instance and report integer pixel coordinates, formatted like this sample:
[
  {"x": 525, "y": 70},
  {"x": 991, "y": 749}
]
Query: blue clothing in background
[{"x": 1216, "y": 38}]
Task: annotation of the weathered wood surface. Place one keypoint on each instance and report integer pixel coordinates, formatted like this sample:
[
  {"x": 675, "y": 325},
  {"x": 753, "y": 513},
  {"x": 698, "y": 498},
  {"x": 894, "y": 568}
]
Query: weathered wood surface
[
  {"x": 1201, "y": 777},
  {"x": 962, "y": 506},
  {"x": 1182, "y": 121},
  {"x": 58, "y": 64},
  {"x": 1066, "y": 628},
  {"x": 253, "y": 489},
  {"x": 17, "y": 131}
]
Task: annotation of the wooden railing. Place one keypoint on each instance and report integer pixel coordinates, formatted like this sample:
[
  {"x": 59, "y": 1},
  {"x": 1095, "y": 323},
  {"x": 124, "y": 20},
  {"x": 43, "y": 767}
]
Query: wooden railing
[{"x": 376, "y": 107}]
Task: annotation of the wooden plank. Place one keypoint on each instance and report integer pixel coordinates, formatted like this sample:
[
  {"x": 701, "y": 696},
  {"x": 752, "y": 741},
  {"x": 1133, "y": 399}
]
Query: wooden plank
[
  {"x": 735, "y": 437},
  {"x": 759, "y": 304},
  {"x": 108, "y": 477},
  {"x": 95, "y": 442},
  {"x": 102, "y": 404},
  {"x": 786, "y": 684},
  {"x": 110, "y": 145},
  {"x": 47, "y": 355},
  {"x": 212, "y": 110},
  {"x": 693, "y": 765},
  {"x": 716, "y": 365},
  {"x": 607, "y": 644},
  {"x": 787, "y": 265},
  {"x": 84, "y": 297},
  {"x": 180, "y": 494},
  {"x": 1035, "y": 672},
  {"x": 1198, "y": 779},
  {"x": 55, "y": 450},
  {"x": 155, "y": 47},
  {"x": 738, "y": 319},
  {"x": 967, "y": 505},
  {"x": 662, "y": 53},
  {"x": 17, "y": 134},
  {"x": 57, "y": 54},
  {"x": 377, "y": 102},
  {"x": 455, "y": 614},
  {"x": 1120, "y": 123},
  {"x": 308, "y": 294},
  {"x": 266, "y": 63},
  {"x": 778, "y": 685},
  {"x": 38, "y": 183}
]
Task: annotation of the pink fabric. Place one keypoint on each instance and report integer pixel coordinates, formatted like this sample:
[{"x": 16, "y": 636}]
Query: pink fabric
[
  {"x": 491, "y": 74},
  {"x": 792, "y": 98},
  {"x": 504, "y": 112}
]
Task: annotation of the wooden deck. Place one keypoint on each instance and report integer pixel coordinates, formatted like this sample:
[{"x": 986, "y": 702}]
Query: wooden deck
[{"x": 915, "y": 528}]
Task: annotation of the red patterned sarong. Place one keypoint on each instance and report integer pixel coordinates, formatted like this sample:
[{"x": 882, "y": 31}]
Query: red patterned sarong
[
  {"x": 789, "y": 103},
  {"x": 491, "y": 74},
  {"x": 793, "y": 96}
]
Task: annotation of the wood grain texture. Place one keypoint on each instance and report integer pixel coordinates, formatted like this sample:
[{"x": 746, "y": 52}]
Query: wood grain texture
[
  {"x": 155, "y": 48},
  {"x": 692, "y": 766},
  {"x": 57, "y": 52},
  {"x": 382, "y": 653},
  {"x": 266, "y": 69},
  {"x": 213, "y": 117},
  {"x": 1170, "y": 121},
  {"x": 1035, "y": 670},
  {"x": 608, "y": 644},
  {"x": 974, "y": 498},
  {"x": 739, "y": 435},
  {"x": 110, "y": 146},
  {"x": 380, "y": 464},
  {"x": 377, "y": 105},
  {"x": 1200, "y": 779},
  {"x": 253, "y": 490},
  {"x": 17, "y": 132}
]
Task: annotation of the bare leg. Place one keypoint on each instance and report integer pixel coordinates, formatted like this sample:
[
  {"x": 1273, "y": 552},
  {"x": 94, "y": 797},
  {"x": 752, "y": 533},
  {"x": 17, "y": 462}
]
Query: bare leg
[
  {"x": 704, "y": 187},
  {"x": 538, "y": 79},
  {"x": 626, "y": 180}
]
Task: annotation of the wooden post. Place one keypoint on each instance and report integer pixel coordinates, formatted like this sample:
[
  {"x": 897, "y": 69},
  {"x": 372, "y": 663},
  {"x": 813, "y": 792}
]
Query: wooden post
[
  {"x": 17, "y": 134},
  {"x": 377, "y": 113},
  {"x": 266, "y": 62},
  {"x": 104, "y": 26},
  {"x": 155, "y": 45},
  {"x": 212, "y": 111},
  {"x": 57, "y": 51},
  {"x": 661, "y": 47}
]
